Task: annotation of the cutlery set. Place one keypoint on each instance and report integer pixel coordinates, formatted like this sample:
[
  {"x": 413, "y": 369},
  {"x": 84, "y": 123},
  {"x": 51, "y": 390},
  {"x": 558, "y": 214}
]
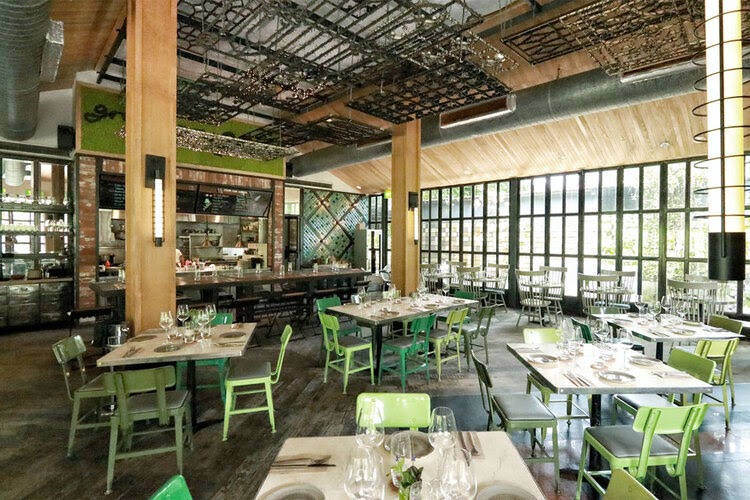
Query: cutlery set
[
  {"x": 302, "y": 462},
  {"x": 132, "y": 351},
  {"x": 577, "y": 380},
  {"x": 470, "y": 441}
]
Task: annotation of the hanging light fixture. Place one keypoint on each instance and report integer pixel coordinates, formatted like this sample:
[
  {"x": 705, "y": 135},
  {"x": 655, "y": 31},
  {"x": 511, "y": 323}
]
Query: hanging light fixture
[
  {"x": 14, "y": 171},
  {"x": 725, "y": 137}
]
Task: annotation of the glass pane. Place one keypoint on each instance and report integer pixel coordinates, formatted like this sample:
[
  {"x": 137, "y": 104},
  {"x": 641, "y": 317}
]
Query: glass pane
[
  {"x": 524, "y": 234},
  {"x": 676, "y": 185},
  {"x": 650, "y": 234},
  {"x": 609, "y": 190},
  {"x": 446, "y": 203},
  {"x": 524, "y": 263},
  {"x": 630, "y": 189},
  {"x": 571, "y": 234},
  {"x": 571, "y": 277},
  {"x": 556, "y": 235},
  {"x": 17, "y": 180},
  {"x": 492, "y": 199},
  {"x": 698, "y": 238},
  {"x": 478, "y": 236},
  {"x": 540, "y": 185},
  {"x": 609, "y": 234},
  {"x": 539, "y": 225},
  {"x": 649, "y": 280},
  {"x": 607, "y": 264},
  {"x": 571, "y": 193},
  {"x": 675, "y": 270},
  {"x": 591, "y": 235},
  {"x": 445, "y": 238},
  {"x": 651, "y": 188},
  {"x": 590, "y": 265},
  {"x": 434, "y": 235},
  {"x": 455, "y": 235},
  {"x": 468, "y": 201},
  {"x": 466, "y": 238},
  {"x": 53, "y": 183},
  {"x": 555, "y": 261},
  {"x": 631, "y": 235},
  {"x": 455, "y": 202},
  {"x": 536, "y": 261},
  {"x": 676, "y": 235},
  {"x": 490, "y": 236},
  {"x": 478, "y": 200},
  {"x": 591, "y": 192},
  {"x": 503, "y": 198},
  {"x": 699, "y": 268},
  {"x": 556, "y": 194},
  {"x": 503, "y": 230},
  {"x": 698, "y": 180},
  {"x": 525, "y": 195}
]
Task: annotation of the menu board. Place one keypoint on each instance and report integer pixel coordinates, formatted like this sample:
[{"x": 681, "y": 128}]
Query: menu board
[
  {"x": 217, "y": 200},
  {"x": 112, "y": 194}
]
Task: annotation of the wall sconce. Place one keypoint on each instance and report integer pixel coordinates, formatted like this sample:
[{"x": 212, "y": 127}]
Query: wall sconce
[
  {"x": 155, "y": 168},
  {"x": 414, "y": 207},
  {"x": 725, "y": 138}
]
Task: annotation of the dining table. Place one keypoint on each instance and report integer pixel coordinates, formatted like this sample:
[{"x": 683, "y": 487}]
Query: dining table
[
  {"x": 496, "y": 464},
  {"x": 670, "y": 330},
  {"x": 153, "y": 346},
  {"x": 378, "y": 314}
]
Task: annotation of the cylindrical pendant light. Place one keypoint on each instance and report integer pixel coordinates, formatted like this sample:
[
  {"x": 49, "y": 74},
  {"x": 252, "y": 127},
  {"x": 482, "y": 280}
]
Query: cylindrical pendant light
[{"x": 725, "y": 135}]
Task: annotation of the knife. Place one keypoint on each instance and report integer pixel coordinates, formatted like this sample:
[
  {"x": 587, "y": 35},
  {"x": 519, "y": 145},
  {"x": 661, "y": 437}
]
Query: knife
[
  {"x": 569, "y": 377},
  {"x": 300, "y": 466}
]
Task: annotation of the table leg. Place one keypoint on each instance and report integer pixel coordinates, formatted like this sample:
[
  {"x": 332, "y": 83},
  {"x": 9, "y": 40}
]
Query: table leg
[
  {"x": 660, "y": 350},
  {"x": 191, "y": 383},
  {"x": 595, "y": 414},
  {"x": 377, "y": 339}
]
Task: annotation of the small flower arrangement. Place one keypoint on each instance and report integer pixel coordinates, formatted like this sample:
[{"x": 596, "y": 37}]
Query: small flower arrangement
[{"x": 405, "y": 478}]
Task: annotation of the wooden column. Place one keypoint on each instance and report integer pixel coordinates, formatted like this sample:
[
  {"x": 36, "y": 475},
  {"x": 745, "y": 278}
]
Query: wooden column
[
  {"x": 151, "y": 96},
  {"x": 405, "y": 166}
]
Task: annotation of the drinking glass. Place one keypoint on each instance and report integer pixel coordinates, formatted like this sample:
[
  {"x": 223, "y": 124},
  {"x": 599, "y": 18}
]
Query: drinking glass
[
  {"x": 654, "y": 308},
  {"x": 362, "y": 293},
  {"x": 165, "y": 320},
  {"x": 446, "y": 287},
  {"x": 681, "y": 309},
  {"x": 201, "y": 318},
  {"x": 183, "y": 313},
  {"x": 666, "y": 304},
  {"x": 625, "y": 343},
  {"x": 401, "y": 446},
  {"x": 370, "y": 431},
  {"x": 211, "y": 314},
  {"x": 442, "y": 428},
  {"x": 364, "y": 474},
  {"x": 456, "y": 477},
  {"x": 639, "y": 304}
]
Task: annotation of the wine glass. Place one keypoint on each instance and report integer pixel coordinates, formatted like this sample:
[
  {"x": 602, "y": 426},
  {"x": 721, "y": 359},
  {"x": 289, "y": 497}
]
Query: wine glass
[
  {"x": 201, "y": 318},
  {"x": 625, "y": 342},
  {"x": 165, "y": 320},
  {"x": 183, "y": 313},
  {"x": 211, "y": 314},
  {"x": 639, "y": 304},
  {"x": 456, "y": 477},
  {"x": 442, "y": 428},
  {"x": 364, "y": 474},
  {"x": 446, "y": 287},
  {"x": 654, "y": 308},
  {"x": 666, "y": 304},
  {"x": 370, "y": 431}
]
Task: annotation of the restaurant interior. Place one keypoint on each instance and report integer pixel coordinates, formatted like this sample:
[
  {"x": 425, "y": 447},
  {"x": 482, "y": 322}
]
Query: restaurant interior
[{"x": 500, "y": 241}]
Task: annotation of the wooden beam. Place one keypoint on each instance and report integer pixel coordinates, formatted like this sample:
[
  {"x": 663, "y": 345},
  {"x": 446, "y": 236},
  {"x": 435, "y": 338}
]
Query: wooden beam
[
  {"x": 151, "y": 112},
  {"x": 112, "y": 44}
]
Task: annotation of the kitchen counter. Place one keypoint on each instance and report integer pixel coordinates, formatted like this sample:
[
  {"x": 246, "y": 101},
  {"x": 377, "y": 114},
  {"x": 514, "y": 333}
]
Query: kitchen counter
[{"x": 34, "y": 282}]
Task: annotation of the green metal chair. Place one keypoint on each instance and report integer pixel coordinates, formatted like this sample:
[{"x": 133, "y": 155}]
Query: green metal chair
[
  {"x": 585, "y": 329},
  {"x": 474, "y": 330},
  {"x": 519, "y": 412},
  {"x": 66, "y": 351},
  {"x": 322, "y": 306},
  {"x": 719, "y": 321},
  {"x": 624, "y": 486},
  {"x": 174, "y": 489},
  {"x": 722, "y": 352},
  {"x": 414, "y": 347},
  {"x": 692, "y": 364},
  {"x": 645, "y": 445},
  {"x": 341, "y": 351},
  {"x": 141, "y": 395},
  {"x": 219, "y": 363},
  {"x": 549, "y": 336},
  {"x": 410, "y": 410},
  {"x": 244, "y": 372},
  {"x": 440, "y": 339}
]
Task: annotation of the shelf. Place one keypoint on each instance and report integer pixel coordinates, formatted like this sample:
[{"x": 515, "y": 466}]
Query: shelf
[
  {"x": 199, "y": 235},
  {"x": 36, "y": 233},
  {"x": 36, "y": 208}
]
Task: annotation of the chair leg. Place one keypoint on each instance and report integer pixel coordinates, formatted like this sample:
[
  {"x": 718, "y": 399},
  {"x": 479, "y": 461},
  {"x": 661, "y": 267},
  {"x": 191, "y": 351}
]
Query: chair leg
[
  {"x": 347, "y": 361},
  {"x": 730, "y": 377},
  {"x": 114, "y": 425},
  {"x": 325, "y": 370},
  {"x": 372, "y": 368},
  {"x": 556, "y": 454},
  {"x": 269, "y": 403},
  {"x": 438, "y": 348},
  {"x": 582, "y": 467},
  {"x": 402, "y": 355},
  {"x": 73, "y": 424},
  {"x": 228, "y": 407},
  {"x": 458, "y": 353},
  {"x": 725, "y": 401},
  {"x": 699, "y": 461},
  {"x": 178, "y": 442}
]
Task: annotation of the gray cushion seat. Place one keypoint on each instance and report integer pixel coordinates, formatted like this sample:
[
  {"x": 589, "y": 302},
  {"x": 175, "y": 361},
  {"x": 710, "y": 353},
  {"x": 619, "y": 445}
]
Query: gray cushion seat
[
  {"x": 439, "y": 334},
  {"x": 522, "y": 407},
  {"x": 638, "y": 400},
  {"x": 242, "y": 369},
  {"x": 623, "y": 442},
  {"x": 143, "y": 403}
]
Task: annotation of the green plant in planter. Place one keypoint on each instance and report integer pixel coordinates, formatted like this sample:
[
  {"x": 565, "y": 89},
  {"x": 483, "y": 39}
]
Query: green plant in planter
[{"x": 405, "y": 478}]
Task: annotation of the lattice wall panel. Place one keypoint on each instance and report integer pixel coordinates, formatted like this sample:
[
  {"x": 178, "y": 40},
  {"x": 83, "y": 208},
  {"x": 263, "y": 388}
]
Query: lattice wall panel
[{"x": 328, "y": 220}]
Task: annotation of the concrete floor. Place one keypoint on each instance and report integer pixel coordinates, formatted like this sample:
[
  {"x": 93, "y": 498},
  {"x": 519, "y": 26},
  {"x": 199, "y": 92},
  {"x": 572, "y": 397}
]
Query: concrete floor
[{"x": 35, "y": 416}]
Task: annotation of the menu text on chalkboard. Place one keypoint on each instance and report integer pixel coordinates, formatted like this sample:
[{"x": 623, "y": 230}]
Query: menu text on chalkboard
[
  {"x": 219, "y": 200},
  {"x": 112, "y": 194}
]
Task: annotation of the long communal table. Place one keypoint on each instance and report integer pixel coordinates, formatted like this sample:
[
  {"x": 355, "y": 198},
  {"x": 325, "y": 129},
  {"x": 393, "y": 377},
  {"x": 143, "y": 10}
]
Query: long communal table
[{"x": 114, "y": 291}]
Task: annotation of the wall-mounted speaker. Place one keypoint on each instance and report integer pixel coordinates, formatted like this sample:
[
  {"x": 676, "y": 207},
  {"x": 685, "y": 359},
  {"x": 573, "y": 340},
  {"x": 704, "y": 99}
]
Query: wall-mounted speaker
[{"x": 66, "y": 137}]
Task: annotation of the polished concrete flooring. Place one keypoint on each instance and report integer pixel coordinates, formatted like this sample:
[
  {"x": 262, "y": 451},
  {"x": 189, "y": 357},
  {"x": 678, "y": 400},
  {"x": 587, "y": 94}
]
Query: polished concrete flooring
[{"x": 35, "y": 412}]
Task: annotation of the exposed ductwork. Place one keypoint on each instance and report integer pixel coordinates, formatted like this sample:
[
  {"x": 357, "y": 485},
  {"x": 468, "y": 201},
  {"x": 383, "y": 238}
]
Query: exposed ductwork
[
  {"x": 580, "y": 94},
  {"x": 23, "y": 28}
]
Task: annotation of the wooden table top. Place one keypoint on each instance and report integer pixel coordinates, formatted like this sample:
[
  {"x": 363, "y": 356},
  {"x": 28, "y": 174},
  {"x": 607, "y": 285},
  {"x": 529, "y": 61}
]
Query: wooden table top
[
  {"x": 497, "y": 465},
  {"x": 401, "y": 309},
  {"x": 652, "y": 331},
  {"x": 226, "y": 341},
  {"x": 654, "y": 377}
]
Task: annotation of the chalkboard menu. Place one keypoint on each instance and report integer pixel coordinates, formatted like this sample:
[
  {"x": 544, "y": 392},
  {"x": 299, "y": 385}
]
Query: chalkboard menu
[
  {"x": 112, "y": 194},
  {"x": 112, "y": 191},
  {"x": 217, "y": 200}
]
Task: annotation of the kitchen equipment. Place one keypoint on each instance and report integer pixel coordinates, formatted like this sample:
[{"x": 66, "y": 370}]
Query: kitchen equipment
[{"x": 34, "y": 274}]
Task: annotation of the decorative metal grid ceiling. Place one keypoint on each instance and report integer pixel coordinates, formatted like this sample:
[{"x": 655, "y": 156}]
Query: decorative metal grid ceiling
[
  {"x": 621, "y": 35},
  {"x": 331, "y": 129}
]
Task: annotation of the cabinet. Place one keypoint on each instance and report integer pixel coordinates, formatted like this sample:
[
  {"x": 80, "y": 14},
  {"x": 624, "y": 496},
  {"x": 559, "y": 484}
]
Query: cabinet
[
  {"x": 26, "y": 303},
  {"x": 205, "y": 246}
]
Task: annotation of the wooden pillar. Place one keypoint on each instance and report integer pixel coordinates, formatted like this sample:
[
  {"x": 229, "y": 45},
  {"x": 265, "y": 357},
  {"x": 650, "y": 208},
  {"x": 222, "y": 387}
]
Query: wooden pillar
[
  {"x": 151, "y": 96},
  {"x": 405, "y": 166}
]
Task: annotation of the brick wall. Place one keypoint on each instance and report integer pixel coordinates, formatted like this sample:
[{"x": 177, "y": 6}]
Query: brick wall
[{"x": 87, "y": 220}]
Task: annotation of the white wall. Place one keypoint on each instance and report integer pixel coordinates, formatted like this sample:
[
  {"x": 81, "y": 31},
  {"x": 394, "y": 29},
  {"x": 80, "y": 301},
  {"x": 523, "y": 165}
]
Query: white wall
[
  {"x": 328, "y": 178},
  {"x": 55, "y": 108}
]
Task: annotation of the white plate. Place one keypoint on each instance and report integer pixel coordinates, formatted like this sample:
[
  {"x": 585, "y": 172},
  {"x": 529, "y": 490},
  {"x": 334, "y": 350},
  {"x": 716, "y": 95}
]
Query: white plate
[
  {"x": 542, "y": 359},
  {"x": 295, "y": 492},
  {"x": 500, "y": 491},
  {"x": 683, "y": 331},
  {"x": 616, "y": 377}
]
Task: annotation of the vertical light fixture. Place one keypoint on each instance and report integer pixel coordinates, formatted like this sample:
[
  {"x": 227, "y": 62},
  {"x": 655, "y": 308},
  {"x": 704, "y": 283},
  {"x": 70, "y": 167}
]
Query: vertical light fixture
[
  {"x": 725, "y": 137},
  {"x": 414, "y": 207},
  {"x": 155, "y": 168}
]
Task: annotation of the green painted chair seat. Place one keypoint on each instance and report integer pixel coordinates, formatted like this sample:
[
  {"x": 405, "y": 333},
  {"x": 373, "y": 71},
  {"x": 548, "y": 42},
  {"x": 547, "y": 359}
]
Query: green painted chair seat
[
  {"x": 174, "y": 489},
  {"x": 441, "y": 339},
  {"x": 410, "y": 351},
  {"x": 341, "y": 351}
]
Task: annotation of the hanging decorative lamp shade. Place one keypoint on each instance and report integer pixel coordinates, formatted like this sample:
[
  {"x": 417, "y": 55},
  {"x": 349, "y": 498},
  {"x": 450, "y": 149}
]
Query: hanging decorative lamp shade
[
  {"x": 725, "y": 137},
  {"x": 14, "y": 172}
]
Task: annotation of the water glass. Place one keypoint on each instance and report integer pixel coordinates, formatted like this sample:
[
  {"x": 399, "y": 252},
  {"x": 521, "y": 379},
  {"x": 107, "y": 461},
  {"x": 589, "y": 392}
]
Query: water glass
[
  {"x": 211, "y": 314},
  {"x": 370, "y": 430},
  {"x": 188, "y": 335},
  {"x": 401, "y": 446},
  {"x": 363, "y": 478},
  {"x": 666, "y": 304},
  {"x": 639, "y": 304},
  {"x": 457, "y": 480},
  {"x": 165, "y": 320},
  {"x": 183, "y": 313},
  {"x": 442, "y": 429}
]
